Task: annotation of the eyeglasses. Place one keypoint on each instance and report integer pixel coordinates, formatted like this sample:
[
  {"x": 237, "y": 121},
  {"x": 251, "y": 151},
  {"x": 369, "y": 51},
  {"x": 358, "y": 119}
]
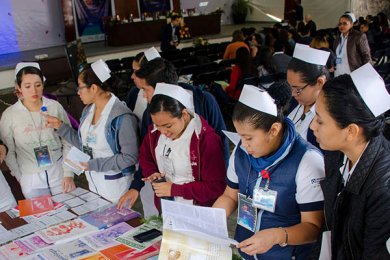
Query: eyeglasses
[
  {"x": 81, "y": 87},
  {"x": 344, "y": 24},
  {"x": 298, "y": 90}
]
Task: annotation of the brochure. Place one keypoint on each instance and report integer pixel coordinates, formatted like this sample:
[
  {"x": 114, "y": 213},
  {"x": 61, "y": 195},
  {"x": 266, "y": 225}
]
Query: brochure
[
  {"x": 194, "y": 232},
  {"x": 66, "y": 231},
  {"x": 73, "y": 159},
  {"x": 109, "y": 215},
  {"x": 105, "y": 238},
  {"x": 128, "y": 239},
  {"x": 35, "y": 206}
]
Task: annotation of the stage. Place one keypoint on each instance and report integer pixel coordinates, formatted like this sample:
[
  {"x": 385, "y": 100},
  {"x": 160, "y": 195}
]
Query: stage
[{"x": 98, "y": 50}]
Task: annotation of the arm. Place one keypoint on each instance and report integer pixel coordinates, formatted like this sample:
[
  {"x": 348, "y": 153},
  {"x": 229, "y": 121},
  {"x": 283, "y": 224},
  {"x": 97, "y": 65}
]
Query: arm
[
  {"x": 364, "y": 49},
  {"x": 68, "y": 134},
  {"x": 128, "y": 154},
  {"x": 226, "y": 55},
  {"x": 212, "y": 182},
  {"x": 376, "y": 224},
  {"x": 7, "y": 136},
  {"x": 234, "y": 78},
  {"x": 227, "y": 201},
  {"x": 305, "y": 232},
  {"x": 146, "y": 159}
]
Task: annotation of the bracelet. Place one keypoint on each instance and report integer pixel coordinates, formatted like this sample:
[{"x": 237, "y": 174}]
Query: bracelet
[{"x": 284, "y": 244}]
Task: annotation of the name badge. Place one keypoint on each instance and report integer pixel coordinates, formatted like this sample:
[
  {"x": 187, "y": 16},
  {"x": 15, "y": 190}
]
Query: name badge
[
  {"x": 247, "y": 214},
  {"x": 91, "y": 138},
  {"x": 339, "y": 60},
  {"x": 265, "y": 199},
  {"x": 42, "y": 156}
]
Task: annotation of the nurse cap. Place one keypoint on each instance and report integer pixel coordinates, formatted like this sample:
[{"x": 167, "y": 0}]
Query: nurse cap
[
  {"x": 350, "y": 14},
  {"x": 151, "y": 54},
  {"x": 372, "y": 89},
  {"x": 258, "y": 99},
  {"x": 175, "y": 92},
  {"x": 310, "y": 55},
  {"x": 101, "y": 70},
  {"x": 22, "y": 65}
]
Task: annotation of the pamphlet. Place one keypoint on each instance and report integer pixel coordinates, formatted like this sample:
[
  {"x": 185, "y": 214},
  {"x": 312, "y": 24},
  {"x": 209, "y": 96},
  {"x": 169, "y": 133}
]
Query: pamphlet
[
  {"x": 128, "y": 239},
  {"x": 35, "y": 205},
  {"x": 73, "y": 159},
  {"x": 109, "y": 215}
]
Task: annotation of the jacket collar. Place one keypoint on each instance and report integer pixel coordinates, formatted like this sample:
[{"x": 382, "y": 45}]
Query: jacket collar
[{"x": 363, "y": 168}]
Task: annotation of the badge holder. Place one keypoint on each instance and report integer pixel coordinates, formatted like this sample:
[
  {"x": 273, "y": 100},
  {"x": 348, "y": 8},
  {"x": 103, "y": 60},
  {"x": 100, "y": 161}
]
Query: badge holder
[
  {"x": 43, "y": 157},
  {"x": 247, "y": 214},
  {"x": 264, "y": 198},
  {"x": 88, "y": 150}
]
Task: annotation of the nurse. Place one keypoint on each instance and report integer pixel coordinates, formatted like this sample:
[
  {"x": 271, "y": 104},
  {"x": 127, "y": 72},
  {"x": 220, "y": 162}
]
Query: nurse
[
  {"x": 349, "y": 121},
  {"x": 306, "y": 74},
  {"x": 274, "y": 174},
  {"x": 181, "y": 151},
  {"x": 107, "y": 133},
  {"x": 7, "y": 199},
  {"x": 35, "y": 151}
]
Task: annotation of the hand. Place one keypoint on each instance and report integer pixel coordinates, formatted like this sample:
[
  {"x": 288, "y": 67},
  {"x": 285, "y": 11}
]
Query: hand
[
  {"x": 53, "y": 122},
  {"x": 68, "y": 184},
  {"x": 162, "y": 189},
  {"x": 260, "y": 242},
  {"x": 154, "y": 176},
  {"x": 3, "y": 153},
  {"x": 129, "y": 198},
  {"x": 84, "y": 165},
  {"x": 172, "y": 43}
]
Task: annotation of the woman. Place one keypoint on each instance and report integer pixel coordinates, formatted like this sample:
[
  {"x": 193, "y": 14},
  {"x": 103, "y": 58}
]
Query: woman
[
  {"x": 135, "y": 99},
  {"x": 320, "y": 42},
  {"x": 237, "y": 42},
  {"x": 276, "y": 172},
  {"x": 107, "y": 133},
  {"x": 176, "y": 157},
  {"x": 34, "y": 150},
  {"x": 243, "y": 68},
  {"x": 306, "y": 74},
  {"x": 356, "y": 187},
  {"x": 351, "y": 47}
]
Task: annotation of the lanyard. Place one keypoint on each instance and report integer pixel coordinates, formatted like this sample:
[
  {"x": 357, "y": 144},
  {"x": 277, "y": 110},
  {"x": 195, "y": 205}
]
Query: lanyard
[
  {"x": 301, "y": 118},
  {"x": 40, "y": 129},
  {"x": 342, "y": 43},
  {"x": 263, "y": 174}
]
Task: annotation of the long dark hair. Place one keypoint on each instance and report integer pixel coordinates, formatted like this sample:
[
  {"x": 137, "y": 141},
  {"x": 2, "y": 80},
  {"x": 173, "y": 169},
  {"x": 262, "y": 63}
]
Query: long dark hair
[
  {"x": 245, "y": 63},
  {"x": 345, "y": 105}
]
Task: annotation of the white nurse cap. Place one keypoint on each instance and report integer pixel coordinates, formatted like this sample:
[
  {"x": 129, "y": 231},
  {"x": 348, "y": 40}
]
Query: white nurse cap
[
  {"x": 372, "y": 89},
  {"x": 176, "y": 92},
  {"x": 22, "y": 65},
  {"x": 101, "y": 70},
  {"x": 258, "y": 99},
  {"x": 151, "y": 54},
  {"x": 310, "y": 55}
]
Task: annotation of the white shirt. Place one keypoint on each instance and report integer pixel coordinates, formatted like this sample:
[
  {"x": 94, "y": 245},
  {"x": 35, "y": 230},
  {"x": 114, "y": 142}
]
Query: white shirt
[
  {"x": 173, "y": 156},
  {"x": 343, "y": 67},
  {"x": 7, "y": 200},
  {"x": 140, "y": 105},
  {"x": 302, "y": 126},
  {"x": 344, "y": 169}
]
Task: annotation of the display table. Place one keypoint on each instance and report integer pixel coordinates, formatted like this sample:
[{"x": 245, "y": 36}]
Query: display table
[{"x": 151, "y": 31}]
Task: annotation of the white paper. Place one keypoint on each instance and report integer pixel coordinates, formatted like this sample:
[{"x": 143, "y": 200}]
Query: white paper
[
  {"x": 234, "y": 137},
  {"x": 203, "y": 222},
  {"x": 89, "y": 196},
  {"x": 7, "y": 236},
  {"x": 2, "y": 229},
  {"x": 74, "y": 202},
  {"x": 326, "y": 248},
  {"x": 73, "y": 159},
  {"x": 62, "y": 197},
  {"x": 78, "y": 191}
]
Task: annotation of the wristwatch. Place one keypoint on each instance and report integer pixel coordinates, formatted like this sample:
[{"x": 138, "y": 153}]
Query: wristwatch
[{"x": 284, "y": 244}]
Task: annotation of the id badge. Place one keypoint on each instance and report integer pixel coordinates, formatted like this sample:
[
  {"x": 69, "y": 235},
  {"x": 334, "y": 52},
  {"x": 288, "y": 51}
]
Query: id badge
[
  {"x": 91, "y": 138},
  {"x": 88, "y": 150},
  {"x": 247, "y": 214},
  {"x": 265, "y": 199},
  {"x": 42, "y": 155},
  {"x": 167, "y": 164},
  {"x": 338, "y": 60}
]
